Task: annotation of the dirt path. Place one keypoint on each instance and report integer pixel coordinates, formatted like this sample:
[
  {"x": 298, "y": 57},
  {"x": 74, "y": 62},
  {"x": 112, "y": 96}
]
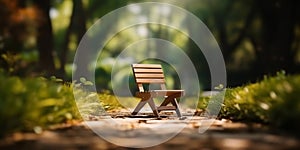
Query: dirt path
[{"x": 221, "y": 135}]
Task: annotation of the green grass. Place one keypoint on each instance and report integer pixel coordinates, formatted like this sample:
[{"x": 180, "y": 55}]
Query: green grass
[
  {"x": 274, "y": 101},
  {"x": 31, "y": 104}
]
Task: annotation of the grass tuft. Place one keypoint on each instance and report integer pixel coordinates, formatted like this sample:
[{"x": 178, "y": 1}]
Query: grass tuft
[{"x": 274, "y": 101}]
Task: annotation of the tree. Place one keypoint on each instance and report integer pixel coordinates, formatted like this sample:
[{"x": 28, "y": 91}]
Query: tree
[
  {"x": 269, "y": 26},
  {"x": 78, "y": 27},
  {"x": 45, "y": 37},
  {"x": 274, "y": 49},
  {"x": 17, "y": 20}
]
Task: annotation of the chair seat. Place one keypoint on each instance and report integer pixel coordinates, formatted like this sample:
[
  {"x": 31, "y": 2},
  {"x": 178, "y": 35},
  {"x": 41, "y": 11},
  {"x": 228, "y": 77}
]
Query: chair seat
[
  {"x": 157, "y": 93},
  {"x": 166, "y": 108}
]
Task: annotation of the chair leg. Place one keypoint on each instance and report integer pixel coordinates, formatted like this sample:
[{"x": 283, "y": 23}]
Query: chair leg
[
  {"x": 153, "y": 107},
  {"x": 139, "y": 107},
  {"x": 175, "y": 103},
  {"x": 166, "y": 101}
]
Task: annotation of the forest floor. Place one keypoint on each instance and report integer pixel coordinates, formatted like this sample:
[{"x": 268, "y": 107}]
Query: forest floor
[{"x": 222, "y": 134}]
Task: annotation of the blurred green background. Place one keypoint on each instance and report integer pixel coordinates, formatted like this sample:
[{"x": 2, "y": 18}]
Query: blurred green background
[
  {"x": 39, "y": 38},
  {"x": 38, "y": 41}
]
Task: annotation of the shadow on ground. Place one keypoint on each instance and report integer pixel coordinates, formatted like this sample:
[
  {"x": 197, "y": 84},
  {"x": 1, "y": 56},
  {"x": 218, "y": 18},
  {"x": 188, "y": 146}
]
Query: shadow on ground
[{"x": 223, "y": 134}]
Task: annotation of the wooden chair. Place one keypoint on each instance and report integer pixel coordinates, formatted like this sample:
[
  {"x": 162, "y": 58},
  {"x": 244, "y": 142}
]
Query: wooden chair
[{"x": 153, "y": 74}]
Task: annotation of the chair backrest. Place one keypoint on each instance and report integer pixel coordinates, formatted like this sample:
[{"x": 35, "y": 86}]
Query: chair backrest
[{"x": 148, "y": 74}]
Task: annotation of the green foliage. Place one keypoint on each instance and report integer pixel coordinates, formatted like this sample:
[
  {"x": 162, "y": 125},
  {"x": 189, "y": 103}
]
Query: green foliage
[
  {"x": 88, "y": 103},
  {"x": 274, "y": 101},
  {"x": 109, "y": 102},
  {"x": 31, "y": 103},
  {"x": 91, "y": 103}
]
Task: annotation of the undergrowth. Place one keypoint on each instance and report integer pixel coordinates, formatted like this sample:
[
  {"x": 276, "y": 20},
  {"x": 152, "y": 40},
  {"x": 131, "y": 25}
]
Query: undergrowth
[
  {"x": 274, "y": 101},
  {"x": 31, "y": 104}
]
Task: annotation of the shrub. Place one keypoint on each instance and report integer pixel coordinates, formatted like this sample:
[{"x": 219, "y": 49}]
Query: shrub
[
  {"x": 31, "y": 103},
  {"x": 274, "y": 101}
]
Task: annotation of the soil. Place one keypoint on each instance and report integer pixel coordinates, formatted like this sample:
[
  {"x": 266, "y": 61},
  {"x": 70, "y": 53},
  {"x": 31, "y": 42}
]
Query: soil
[{"x": 222, "y": 134}]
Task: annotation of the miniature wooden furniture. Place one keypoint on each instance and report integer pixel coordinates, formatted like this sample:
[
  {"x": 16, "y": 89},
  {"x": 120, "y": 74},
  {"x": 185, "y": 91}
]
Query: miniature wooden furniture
[{"x": 153, "y": 74}]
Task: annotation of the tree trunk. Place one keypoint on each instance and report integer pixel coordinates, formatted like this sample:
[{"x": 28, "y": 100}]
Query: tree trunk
[
  {"x": 278, "y": 25},
  {"x": 78, "y": 27},
  {"x": 45, "y": 38},
  {"x": 228, "y": 47}
]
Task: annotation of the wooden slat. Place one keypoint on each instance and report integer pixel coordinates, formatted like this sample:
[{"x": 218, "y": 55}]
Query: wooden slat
[
  {"x": 167, "y": 92},
  {"x": 148, "y": 73},
  {"x": 146, "y": 65},
  {"x": 140, "y": 75},
  {"x": 150, "y": 80},
  {"x": 148, "y": 70},
  {"x": 171, "y": 91}
]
